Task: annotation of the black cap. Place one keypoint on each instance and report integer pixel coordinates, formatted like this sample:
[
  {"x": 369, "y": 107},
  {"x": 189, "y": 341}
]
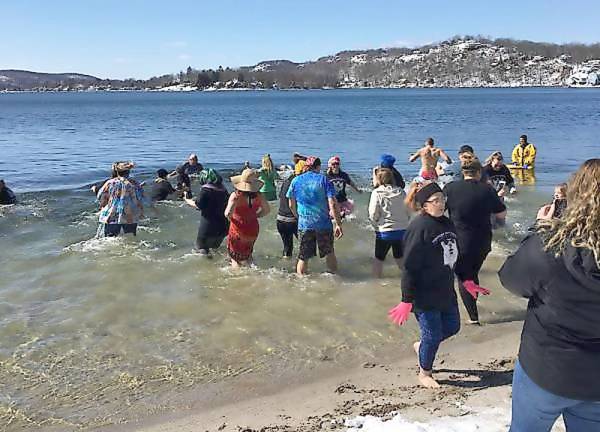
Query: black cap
[
  {"x": 426, "y": 191},
  {"x": 465, "y": 148},
  {"x": 162, "y": 173}
]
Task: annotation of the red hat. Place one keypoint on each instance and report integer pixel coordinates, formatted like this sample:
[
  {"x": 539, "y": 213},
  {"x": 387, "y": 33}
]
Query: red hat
[
  {"x": 311, "y": 161},
  {"x": 332, "y": 160}
]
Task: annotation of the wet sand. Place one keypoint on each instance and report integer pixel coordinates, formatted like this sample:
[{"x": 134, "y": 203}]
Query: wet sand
[{"x": 474, "y": 368}]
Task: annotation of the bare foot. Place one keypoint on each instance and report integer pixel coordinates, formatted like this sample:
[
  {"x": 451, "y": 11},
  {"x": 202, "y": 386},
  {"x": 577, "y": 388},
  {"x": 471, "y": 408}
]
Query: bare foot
[{"x": 427, "y": 380}]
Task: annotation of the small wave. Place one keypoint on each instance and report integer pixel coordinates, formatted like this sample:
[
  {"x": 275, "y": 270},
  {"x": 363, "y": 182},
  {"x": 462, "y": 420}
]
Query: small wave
[
  {"x": 36, "y": 209},
  {"x": 148, "y": 229},
  {"x": 95, "y": 245}
]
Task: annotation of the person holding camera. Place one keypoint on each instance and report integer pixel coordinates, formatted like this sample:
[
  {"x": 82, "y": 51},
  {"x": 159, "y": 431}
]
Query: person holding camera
[{"x": 557, "y": 207}]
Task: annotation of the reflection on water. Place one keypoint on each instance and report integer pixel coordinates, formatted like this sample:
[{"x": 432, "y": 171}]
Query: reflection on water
[{"x": 91, "y": 328}]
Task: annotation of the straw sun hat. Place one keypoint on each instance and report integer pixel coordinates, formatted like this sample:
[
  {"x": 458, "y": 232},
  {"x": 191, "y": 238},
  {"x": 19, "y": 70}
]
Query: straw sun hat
[{"x": 247, "y": 181}]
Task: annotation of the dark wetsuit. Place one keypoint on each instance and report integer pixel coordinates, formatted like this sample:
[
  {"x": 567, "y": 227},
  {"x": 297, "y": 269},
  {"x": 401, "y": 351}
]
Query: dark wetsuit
[
  {"x": 7, "y": 196},
  {"x": 211, "y": 201}
]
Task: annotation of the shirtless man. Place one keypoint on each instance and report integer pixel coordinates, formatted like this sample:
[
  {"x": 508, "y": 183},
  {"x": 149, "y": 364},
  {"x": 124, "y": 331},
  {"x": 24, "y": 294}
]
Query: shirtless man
[{"x": 429, "y": 158}]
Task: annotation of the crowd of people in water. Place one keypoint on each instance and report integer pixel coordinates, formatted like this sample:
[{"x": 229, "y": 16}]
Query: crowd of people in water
[{"x": 438, "y": 233}]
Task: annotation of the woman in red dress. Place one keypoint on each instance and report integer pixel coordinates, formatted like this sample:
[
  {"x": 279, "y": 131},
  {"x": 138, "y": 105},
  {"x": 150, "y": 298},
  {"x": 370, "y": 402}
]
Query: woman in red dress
[{"x": 246, "y": 204}]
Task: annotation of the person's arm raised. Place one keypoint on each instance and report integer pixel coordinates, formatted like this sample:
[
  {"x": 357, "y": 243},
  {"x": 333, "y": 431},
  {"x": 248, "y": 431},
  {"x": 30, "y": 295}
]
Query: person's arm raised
[
  {"x": 415, "y": 156},
  {"x": 353, "y": 186},
  {"x": 445, "y": 156}
]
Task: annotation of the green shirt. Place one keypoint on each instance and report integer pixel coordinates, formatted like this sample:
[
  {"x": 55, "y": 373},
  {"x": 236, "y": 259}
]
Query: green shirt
[{"x": 268, "y": 178}]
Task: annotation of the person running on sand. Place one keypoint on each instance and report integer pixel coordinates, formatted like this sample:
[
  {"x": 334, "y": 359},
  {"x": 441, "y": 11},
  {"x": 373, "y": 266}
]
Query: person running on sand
[
  {"x": 390, "y": 217},
  {"x": 287, "y": 222},
  {"x": 212, "y": 202},
  {"x": 430, "y": 253},
  {"x": 7, "y": 196},
  {"x": 268, "y": 175},
  {"x": 340, "y": 179},
  {"x": 429, "y": 155},
  {"x": 312, "y": 201},
  {"x": 246, "y": 204},
  {"x": 471, "y": 205},
  {"x": 121, "y": 200},
  {"x": 557, "y": 268}
]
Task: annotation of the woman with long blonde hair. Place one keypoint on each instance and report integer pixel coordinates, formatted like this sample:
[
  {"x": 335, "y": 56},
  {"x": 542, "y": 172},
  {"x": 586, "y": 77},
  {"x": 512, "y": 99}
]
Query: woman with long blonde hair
[
  {"x": 268, "y": 175},
  {"x": 558, "y": 269}
]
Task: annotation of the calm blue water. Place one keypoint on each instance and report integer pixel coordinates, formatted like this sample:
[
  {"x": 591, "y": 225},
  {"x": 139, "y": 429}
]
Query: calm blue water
[{"x": 66, "y": 140}]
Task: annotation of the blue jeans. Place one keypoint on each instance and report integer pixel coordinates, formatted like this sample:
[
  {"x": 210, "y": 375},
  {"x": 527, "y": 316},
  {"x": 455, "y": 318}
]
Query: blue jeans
[
  {"x": 436, "y": 326},
  {"x": 535, "y": 409}
]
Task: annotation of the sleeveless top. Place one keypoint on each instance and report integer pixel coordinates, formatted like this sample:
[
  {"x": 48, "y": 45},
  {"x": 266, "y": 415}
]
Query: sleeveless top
[{"x": 244, "y": 220}]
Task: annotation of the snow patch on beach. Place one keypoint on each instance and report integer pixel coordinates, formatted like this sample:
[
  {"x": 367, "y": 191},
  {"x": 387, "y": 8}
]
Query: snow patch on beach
[{"x": 492, "y": 420}]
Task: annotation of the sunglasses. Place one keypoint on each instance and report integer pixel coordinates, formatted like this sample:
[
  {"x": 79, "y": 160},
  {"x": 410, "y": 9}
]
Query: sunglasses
[{"x": 436, "y": 200}]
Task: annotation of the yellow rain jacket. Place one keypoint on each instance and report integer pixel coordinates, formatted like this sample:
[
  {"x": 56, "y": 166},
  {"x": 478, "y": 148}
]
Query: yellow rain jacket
[{"x": 524, "y": 155}]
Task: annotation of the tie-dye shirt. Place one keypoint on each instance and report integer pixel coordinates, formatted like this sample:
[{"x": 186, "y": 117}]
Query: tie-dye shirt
[
  {"x": 122, "y": 201},
  {"x": 311, "y": 191}
]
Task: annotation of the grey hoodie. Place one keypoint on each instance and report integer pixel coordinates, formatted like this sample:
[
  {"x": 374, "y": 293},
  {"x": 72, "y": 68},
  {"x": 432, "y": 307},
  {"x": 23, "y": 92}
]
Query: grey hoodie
[{"x": 387, "y": 211}]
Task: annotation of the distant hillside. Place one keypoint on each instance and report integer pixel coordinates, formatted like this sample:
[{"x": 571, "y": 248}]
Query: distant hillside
[
  {"x": 20, "y": 79},
  {"x": 458, "y": 62}
]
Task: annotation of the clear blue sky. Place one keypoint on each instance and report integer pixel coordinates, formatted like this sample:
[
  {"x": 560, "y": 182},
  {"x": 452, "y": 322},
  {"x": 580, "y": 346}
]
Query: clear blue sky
[{"x": 135, "y": 38}]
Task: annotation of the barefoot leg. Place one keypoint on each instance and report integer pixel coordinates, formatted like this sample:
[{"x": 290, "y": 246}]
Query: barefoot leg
[
  {"x": 416, "y": 346},
  {"x": 426, "y": 379}
]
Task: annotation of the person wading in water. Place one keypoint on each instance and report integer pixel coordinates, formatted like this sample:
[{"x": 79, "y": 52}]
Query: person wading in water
[{"x": 429, "y": 155}]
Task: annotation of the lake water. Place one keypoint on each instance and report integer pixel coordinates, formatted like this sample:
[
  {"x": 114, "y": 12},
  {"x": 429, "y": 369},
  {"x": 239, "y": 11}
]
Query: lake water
[{"x": 95, "y": 331}]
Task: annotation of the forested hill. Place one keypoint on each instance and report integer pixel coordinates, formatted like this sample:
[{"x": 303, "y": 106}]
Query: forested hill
[{"x": 458, "y": 62}]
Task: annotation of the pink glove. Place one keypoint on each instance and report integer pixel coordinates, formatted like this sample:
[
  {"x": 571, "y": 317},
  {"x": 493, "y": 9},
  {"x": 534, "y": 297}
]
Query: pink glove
[
  {"x": 474, "y": 289},
  {"x": 399, "y": 314}
]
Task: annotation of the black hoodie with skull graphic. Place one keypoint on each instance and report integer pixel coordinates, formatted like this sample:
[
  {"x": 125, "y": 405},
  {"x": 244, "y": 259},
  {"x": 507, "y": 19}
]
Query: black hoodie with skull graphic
[{"x": 430, "y": 253}]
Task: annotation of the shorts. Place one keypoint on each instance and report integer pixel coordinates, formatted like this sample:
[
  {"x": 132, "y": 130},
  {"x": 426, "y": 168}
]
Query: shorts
[
  {"x": 382, "y": 247},
  {"x": 429, "y": 175},
  {"x": 309, "y": 239},
  {"x": 346, "y": 207},
  {"x": 113, "y": 229}
]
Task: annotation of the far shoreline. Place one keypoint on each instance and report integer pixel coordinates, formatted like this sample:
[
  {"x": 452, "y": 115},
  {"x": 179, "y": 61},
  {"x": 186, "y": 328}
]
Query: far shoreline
[{"x": 258, "y": 90}]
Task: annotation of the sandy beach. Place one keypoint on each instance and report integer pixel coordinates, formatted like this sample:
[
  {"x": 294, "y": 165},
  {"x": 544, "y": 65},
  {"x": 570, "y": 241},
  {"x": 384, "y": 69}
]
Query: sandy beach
[{"x": 474, "y": 368}]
